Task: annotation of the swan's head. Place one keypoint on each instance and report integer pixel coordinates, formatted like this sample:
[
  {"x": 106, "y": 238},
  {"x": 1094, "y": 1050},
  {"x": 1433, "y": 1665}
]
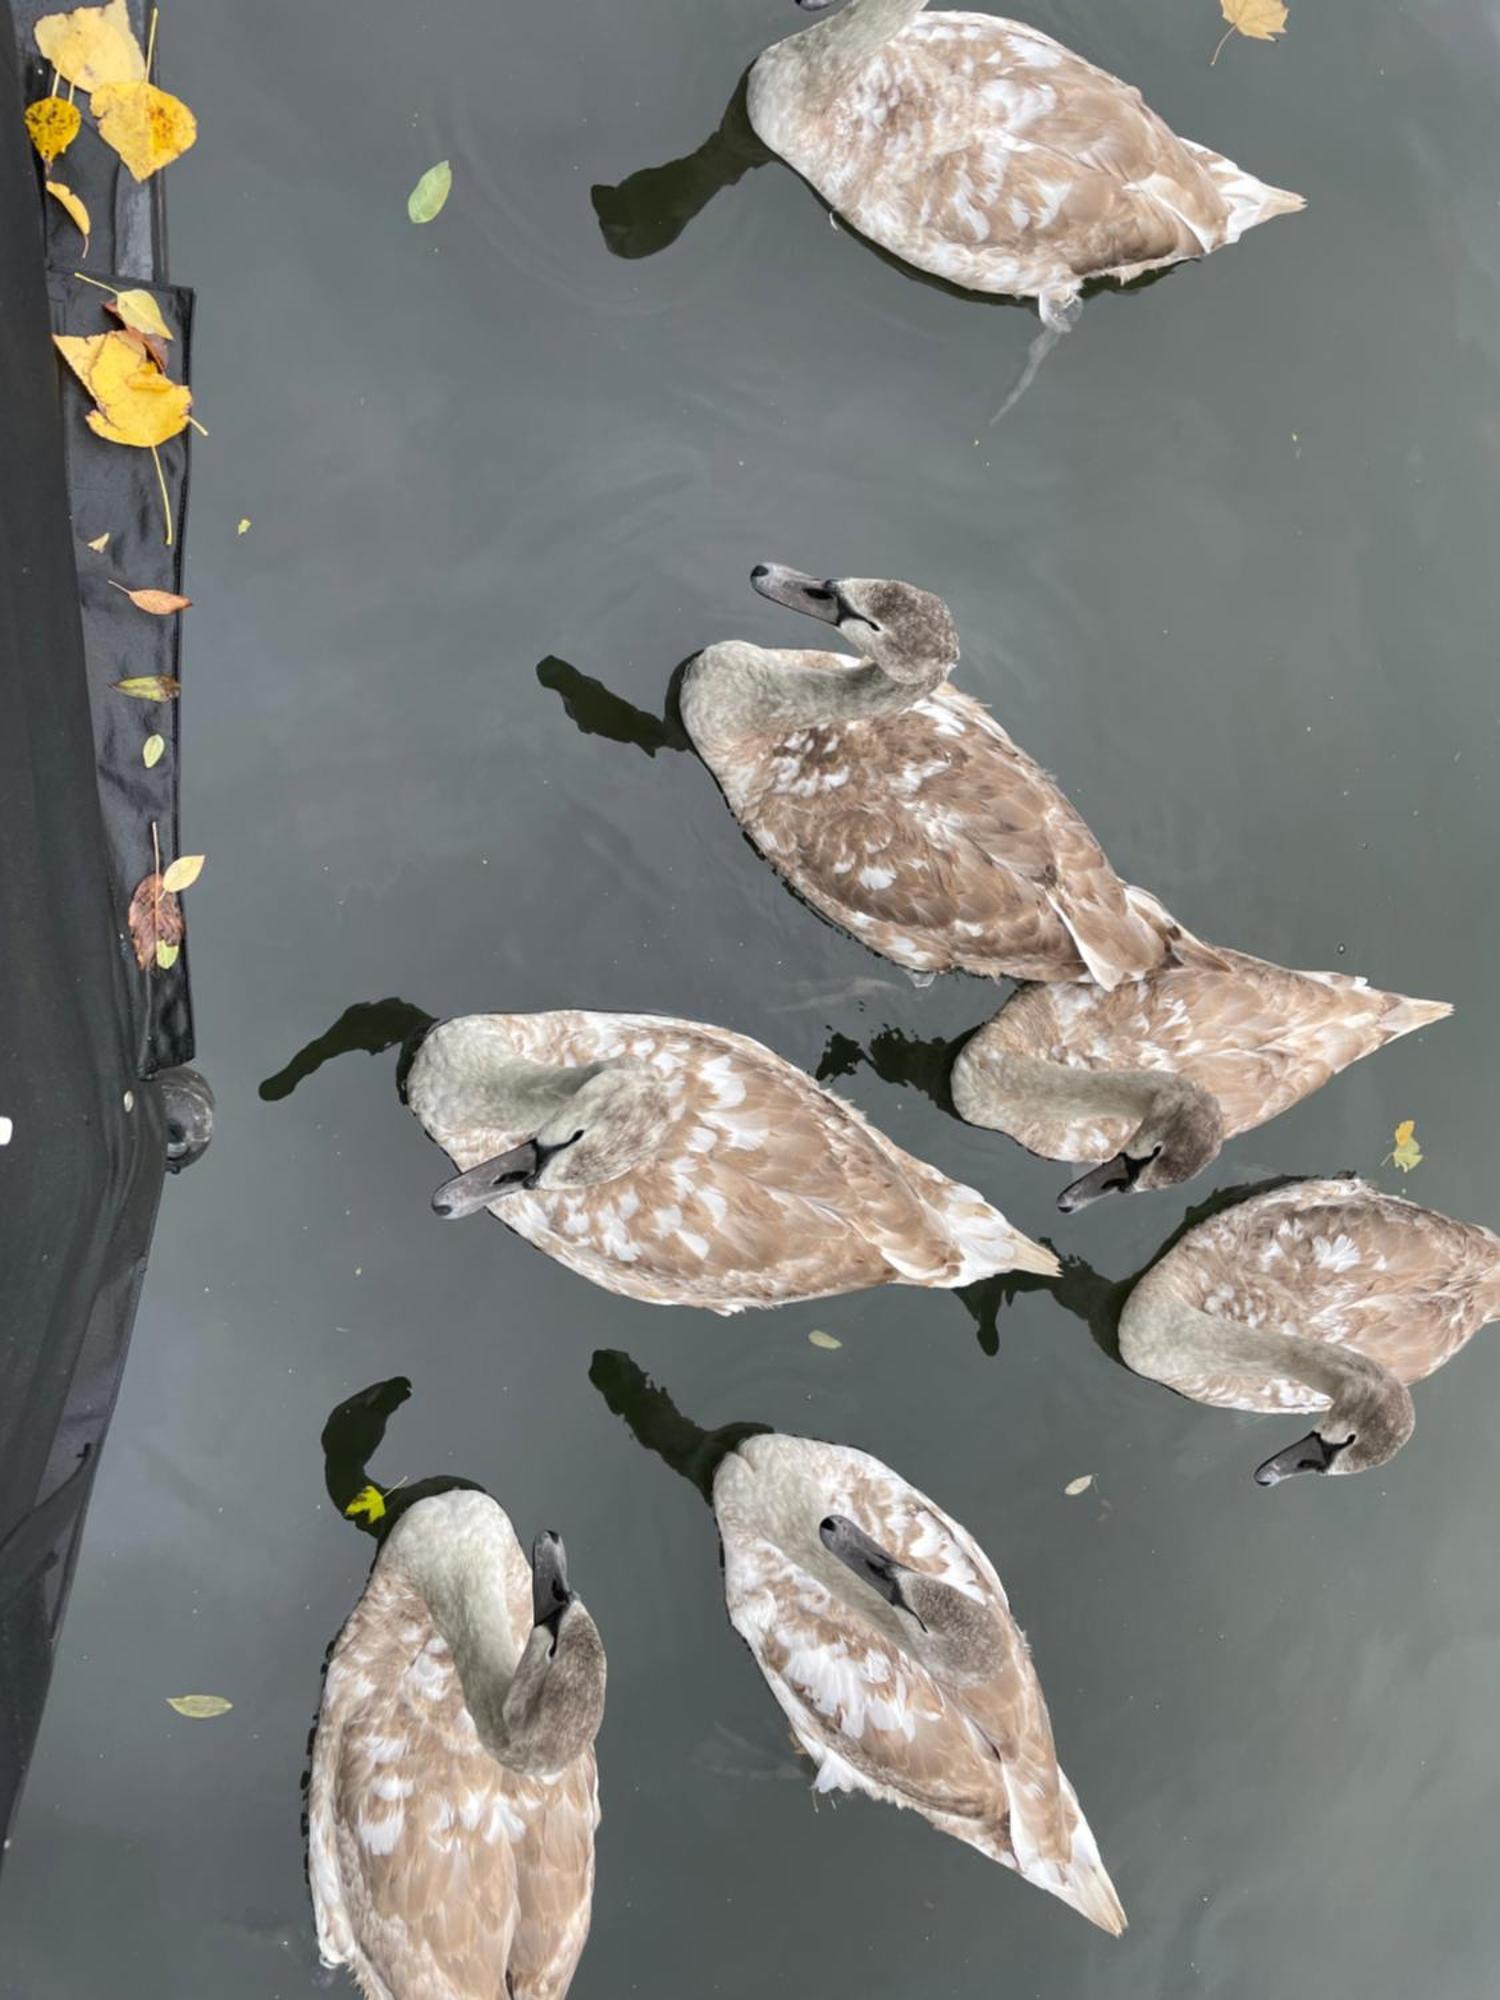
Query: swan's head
[
  {"x": 1182, "y": 1131},
  {"x": 611, "y": 1121},
  {"x": 555, "y": 1704},
  {"x": 907, "y": 632},
  {"x": 949, "y": 1631},
  {"x": 1368, "y": 1422}
]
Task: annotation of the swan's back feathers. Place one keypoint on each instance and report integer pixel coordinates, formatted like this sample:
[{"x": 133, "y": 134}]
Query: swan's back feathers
[
  {"x": 1335, "y": 1260},
  {"x": 984, "y": 151},
  {"x": 1259, "y": 1037},
  {"x": 765, "y": 1186},
  {"x": 978, "y": 1762}
]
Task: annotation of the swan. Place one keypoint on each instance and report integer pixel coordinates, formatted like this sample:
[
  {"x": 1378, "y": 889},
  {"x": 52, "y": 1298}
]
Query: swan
[
  {"x": 984, "y": 152},
  {"x": 454, "y": 1795},
  {"x": 898, "y": 807},
  {"x": 1321, "y": 1295},
  {"x": 885, "y": 1635},
  {"x": 687, "y": 1165},
  {"x": 1151, "y": 1078}
]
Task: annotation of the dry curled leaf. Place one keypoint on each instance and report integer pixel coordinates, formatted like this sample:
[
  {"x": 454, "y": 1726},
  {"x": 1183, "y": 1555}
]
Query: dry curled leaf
[
  {"x": 149, "y": 687},
  {"x": 428, "y": 196},
  {"x": 183, "y": 873},
  {"x": 160, "y": 603},
  {"x": 99, "y": 544},
  {"x": 152, "y": 751},
  {"x": 53, "y": 124},
  {"x": 369, "y": 1501},
  {"x": 1076, "y": 1486},
  {"x": 1407, "y": 1153},
  {"x": 92, "y": 46},
  {"x": 76, "y": 210},
  {"x": 137, "y": 404},
  {"x": 820, "y": 1339},
  {"x": 139, "y": 310},
  {"x": 155, "y": 921},
  {"x": 201, "y": 1707},
  {"x": 147, "y": 127},
  {"x": 1257, "y": 20}
]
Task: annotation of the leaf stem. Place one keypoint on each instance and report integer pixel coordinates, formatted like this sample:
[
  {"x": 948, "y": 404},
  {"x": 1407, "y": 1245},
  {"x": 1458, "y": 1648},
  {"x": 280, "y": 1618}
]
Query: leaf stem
[
  {"x": 84, "y": 277},
  {"x": 166, "y": 500},
  {"x": 198, "y": 427},
  {"x": 1222, "y": 40},
  {"x": 151, "y": 38}
]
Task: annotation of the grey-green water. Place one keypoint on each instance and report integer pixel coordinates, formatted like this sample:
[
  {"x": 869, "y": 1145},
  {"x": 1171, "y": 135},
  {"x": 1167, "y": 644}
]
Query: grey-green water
[{"x": 1228, "y": 568}]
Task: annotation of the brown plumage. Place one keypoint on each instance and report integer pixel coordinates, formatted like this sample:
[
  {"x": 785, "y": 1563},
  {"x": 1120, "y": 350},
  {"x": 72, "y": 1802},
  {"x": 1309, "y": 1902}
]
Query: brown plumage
[
  {"x": 898, "y": 806},
  {"x": 437, "y": 1871},
  {"x": 741, "y": 1183},
  {"x": 1259, "y": 1308},
  {"x": 983, "y": 151},
  {"x": 973, "y": 1755}
]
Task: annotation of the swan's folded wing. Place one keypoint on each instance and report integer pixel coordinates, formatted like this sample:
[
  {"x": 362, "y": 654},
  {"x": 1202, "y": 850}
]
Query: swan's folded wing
[{"x": 556, "y": 1880}]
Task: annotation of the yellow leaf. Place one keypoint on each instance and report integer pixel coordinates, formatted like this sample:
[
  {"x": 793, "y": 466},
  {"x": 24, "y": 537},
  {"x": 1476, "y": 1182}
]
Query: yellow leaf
[
  {"x": 821, "y": 1339},
  {"x": 92, "y": 46},
  {"x": 53, "y": 124},
  {"x": 140, "y": 310},
  {"x": 74, "y": 207},
  {"x": 1076, "y": 1486},
  {"x": 199, "y": 1706},
  {"x": 148, "y": 128},
  {"x": 167, "y": 954},
  {"x": 426, "y": 199},
  {"x": 369, "y": 1501},
  {"x": 152, "y": 751},
  {"x": 99, "y": 544},
  {"x": 160, "y": 603},
  {"x": 149, "y": 687},
  {"x": 137, "y": 404},
  {"x": 183, "y": 873},
  {"x": 244, "y": 526},
  {"x": 1259, "y": 20},
  {"x": 1407, "y": 1153}
]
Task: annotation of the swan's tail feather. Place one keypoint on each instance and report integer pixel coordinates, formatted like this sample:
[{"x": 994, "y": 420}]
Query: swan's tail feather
[
  {"x": 1404, "y": 1016},
  {"x": 1251, "y": 202},
  {"x": 987, "y": 1244}
]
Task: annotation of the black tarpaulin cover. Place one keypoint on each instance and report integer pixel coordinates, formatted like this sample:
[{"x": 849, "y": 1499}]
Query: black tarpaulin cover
[{"x": 82, "y": 1025}]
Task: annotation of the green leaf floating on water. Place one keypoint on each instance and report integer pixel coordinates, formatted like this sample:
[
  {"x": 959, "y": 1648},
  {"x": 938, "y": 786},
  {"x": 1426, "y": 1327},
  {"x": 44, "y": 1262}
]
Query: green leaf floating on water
[
  {"x": 426, "y": 199},
  {"x": 821, "y": 1339},
  {"x": 201, "y": 1707}
]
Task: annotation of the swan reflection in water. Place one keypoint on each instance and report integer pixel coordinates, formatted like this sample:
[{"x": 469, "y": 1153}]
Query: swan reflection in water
[
  {"x": 453, "y": 1796},
  {"x": 885, "y": 1636}
]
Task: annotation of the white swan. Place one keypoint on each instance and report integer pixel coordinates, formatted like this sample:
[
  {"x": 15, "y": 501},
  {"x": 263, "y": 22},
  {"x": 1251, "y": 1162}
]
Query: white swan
[{"x": 986, "y": 153}]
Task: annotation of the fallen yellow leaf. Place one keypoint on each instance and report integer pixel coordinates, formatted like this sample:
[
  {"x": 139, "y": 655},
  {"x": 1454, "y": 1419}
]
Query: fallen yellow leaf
[
  {"x": 160, "y": 603},
  {"x": 369, "y": 1501},
  {"x": 138, "y": 404},
  {"x": 140, "y": 310},
  {"x": 821, "y": 1339},
  {"x": 152, "y": 751},
  {"x": 1258, "y": 20},
  {"x": 53, "y": 124},
  {"x": 1407, "y": 1153},
  {"x": 183, "y": 873},
  {"x": 147, "y": 127},
  {"x": 167, "y": 954},
  {"x": 199, "y": 1706},
  {"x": 92, "y": 46},
  {"x": 99, "y": 544},
  {"x": 1076, "y": 1486},
  {"x": 149, "y": 687},
  {"x": 244, "y": 526},
  {"x": 74, "y": 207},
  {"x": 426, "y": 199}
]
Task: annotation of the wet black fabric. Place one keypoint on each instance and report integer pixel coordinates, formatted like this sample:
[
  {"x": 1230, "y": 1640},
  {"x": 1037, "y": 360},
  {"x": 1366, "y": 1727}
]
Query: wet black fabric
[{"x": 81, "y": 1024}]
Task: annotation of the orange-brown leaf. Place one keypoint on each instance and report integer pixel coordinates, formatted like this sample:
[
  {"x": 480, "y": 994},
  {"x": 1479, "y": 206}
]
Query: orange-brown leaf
[
  {"x": 155, "y": 919},
  {"x": 160, "y": 603}
]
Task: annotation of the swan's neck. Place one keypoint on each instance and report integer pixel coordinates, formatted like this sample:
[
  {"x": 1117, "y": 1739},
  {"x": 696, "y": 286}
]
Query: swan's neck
[
  {"x": 1172, "y": 1342},
  {"x": 993, "y": 1086},
  {"x": 520, "y": 1096},
  {"x": 468, "y": 1603},
  {"x": 831, "y": 51},
  {"x": 755, "y": 693}
]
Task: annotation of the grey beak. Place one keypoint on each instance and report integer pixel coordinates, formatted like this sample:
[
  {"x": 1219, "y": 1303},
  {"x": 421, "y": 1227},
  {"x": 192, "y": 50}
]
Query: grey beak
[
  {"x": 550, "y": 1595},
  {"x": 859, "y": 1552},
  {"x": 1310, "y": 1454},
  {"x": 789, "y": 587},
  {"x": 814, "y": 6},
  {"x": 1116, "y": 1176},
  {"x": 489, "y": 1180}
]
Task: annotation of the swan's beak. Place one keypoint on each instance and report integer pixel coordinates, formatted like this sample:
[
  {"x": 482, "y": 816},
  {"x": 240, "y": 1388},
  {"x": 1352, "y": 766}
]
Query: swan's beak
[
  {"x": 489, "y": 1180},
  {"x": 797, "y": 592},
  {"x": 1116, "y": 1176},
  {"x": 814, "y": 6},
  {"x": 863, "y": 1554},
  {"x": 550, "y": 1595},
  {"x": 1309, "y": 1454}
]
